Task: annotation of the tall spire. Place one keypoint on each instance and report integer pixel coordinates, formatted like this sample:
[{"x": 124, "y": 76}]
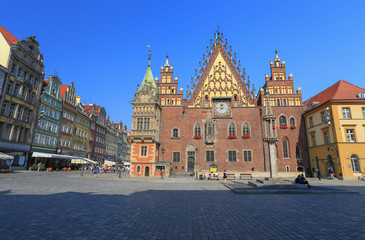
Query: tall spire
[{"x": 148, "y": 79}]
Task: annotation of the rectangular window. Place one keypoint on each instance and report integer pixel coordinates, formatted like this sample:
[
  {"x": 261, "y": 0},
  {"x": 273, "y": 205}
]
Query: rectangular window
[
  {"x": 19, "y": 113},
  {"x": 314, "y": 140},
  {"x": 139, "y": 123},
  {"x": 346, "y": 113},
  {"x": 232, "y": 156},
  {"x": 36, "y": 138},
  {"x": 363, "y": 112},
  {"x": 144, "y": 151},
  {"x": 247, "y": 155},
  {"x": 209, "y": 156},
  {"x": 11, "y": 110},
  {"x": 3, "y": 109},
  {"x": 350, "y": 135},
  {"x": 324, "y": 117},
  {"x": 176, "y": 156},
  {"x": 146, "y": 123},
  {"x": 326, "y": 138},
  {"x": 16, "y": 90},
  {"x": 8, "y": 90},
  {"x": 43, "y": 139}
]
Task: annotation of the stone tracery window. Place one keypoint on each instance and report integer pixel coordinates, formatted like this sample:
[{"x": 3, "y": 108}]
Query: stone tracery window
[
  {"x": 282, "y": 121},
  {"x": 232, "y": 129},
  {"x": 197, "y": 130},
  {"x": 246, "y": 129}
]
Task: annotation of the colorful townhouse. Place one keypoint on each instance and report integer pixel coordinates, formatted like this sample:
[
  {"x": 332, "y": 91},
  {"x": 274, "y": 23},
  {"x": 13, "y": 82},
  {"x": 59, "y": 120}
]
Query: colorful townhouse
[
  {"x": 21, "y": 78},
  {"x": 45, "y": 138},
  {"x": 335, "y": 122}
]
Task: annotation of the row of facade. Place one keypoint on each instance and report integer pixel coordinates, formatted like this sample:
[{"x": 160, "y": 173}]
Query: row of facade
[
  {"x": 44, "y": 120},
  {"x": 223, "y": 124}
]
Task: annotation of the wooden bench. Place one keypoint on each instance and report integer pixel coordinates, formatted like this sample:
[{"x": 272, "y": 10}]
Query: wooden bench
[
  {"x": 242, "y": 175},
  {"x": 231, "y": 175}
]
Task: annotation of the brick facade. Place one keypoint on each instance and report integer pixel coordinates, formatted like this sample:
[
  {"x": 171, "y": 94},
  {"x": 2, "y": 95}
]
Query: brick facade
[{"x": 220, "y": 120}]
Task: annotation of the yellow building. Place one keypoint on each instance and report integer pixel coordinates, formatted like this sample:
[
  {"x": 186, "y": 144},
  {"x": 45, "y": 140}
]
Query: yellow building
[
  {"x": 80, "y": 139},
  {"x": 335, "y": 123}
]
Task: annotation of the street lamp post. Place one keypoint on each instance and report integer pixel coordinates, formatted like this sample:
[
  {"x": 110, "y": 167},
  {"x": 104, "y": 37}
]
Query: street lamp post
[
  {"x": 196, "y": 164},
  {"x": 163, "y": 152}
]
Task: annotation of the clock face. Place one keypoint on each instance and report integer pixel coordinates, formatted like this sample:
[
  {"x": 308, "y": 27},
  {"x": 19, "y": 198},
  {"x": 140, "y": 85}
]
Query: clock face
[{"x": 222, "y": 107}]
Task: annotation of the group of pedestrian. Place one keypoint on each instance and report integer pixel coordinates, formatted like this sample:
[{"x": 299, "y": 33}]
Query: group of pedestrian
[{"x": 107, "y": 169}]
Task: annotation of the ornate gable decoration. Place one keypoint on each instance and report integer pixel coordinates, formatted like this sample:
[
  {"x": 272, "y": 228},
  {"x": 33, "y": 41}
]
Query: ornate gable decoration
[
  {"x": 220, "y": 79},
  {"x": 146, "y": 94}
]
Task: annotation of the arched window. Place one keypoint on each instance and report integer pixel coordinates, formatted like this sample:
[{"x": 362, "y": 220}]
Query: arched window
[
  {"x": 175, "y": 133},
  {"x": 235, "y": 97},
  {"x": 285, "y": 149},
  {"x": 292, "y": 122},
  {"x": 282, "y": 121},
  {"x": 209, "y": 129},
  {"x": 355, "y": 163},
  {"x": 232, "y": 129},
  {"x": 278, "y": 102},
  {"x": 197, "y": 129},
  {"x": 297, "y": 152},
  {"x": 287, "y": 167},
  {"x": 284, "y": 102},
  {"x": 246, "y": 129},
  {"x": 138, "y": 169}
]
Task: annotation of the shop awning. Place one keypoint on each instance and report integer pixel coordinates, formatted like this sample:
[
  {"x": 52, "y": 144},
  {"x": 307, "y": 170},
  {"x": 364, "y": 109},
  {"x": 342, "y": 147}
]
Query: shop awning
[
  {"x": 73, "y": 159},
  {"x": 83, "y": 161},
  {"x": 4, "y": 156}
]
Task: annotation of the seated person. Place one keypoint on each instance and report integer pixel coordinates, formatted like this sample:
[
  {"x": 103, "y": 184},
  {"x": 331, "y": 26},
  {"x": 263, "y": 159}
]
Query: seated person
[
  {"x": 302, "y": 180},
  {"x": 297, "y": 179}
]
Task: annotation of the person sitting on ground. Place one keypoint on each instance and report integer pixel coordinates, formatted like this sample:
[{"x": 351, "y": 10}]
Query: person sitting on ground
[
  {"x": 302, "y": 180},
  {"x": 297, "y": 180}
]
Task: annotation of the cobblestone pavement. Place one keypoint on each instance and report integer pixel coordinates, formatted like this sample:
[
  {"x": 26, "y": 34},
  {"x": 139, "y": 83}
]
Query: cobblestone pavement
[{"x": 64, "y": 205}]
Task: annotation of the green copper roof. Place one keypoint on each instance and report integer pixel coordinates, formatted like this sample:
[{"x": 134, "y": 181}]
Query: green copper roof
[{"x": 148, "y": 77}]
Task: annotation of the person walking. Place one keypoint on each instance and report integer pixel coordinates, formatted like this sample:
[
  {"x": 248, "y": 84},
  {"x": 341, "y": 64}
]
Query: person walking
[
  {"x": 39, "y": 167},
  {"x": 318, "y": 174},
  {"x": 224, "y": 176}
]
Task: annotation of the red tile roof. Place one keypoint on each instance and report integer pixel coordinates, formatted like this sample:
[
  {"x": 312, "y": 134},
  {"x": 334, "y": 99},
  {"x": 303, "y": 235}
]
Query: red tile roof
[
  {"x": 8, "y": 36},
  {"x": 340, "y": 91},
  {"x": 63, "y": 89}
]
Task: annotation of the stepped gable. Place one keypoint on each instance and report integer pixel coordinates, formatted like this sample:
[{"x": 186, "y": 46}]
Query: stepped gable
[
  {"x": 340, "y": 91},
  {"x": 215, "y": 66}
]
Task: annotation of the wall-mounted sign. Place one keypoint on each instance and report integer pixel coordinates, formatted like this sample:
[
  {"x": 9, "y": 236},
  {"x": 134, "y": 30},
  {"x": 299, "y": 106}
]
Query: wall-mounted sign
[{"x": 361, "y": 95}]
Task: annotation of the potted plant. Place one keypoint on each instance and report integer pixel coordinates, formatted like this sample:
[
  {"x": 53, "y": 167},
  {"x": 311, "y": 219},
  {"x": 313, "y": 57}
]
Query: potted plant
[
  {"x": 232, "y": 136},
  {"x": 197, "y": 137},
  {"x": 284, "y": 127},
  {"x": 246, "y": 136},
  {"x": 292, "y": 126}
]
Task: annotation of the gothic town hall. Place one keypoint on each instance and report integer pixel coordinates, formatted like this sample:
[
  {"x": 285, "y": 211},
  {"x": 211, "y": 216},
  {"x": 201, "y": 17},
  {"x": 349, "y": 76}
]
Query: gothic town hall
[{"x": 219, "y": 125}]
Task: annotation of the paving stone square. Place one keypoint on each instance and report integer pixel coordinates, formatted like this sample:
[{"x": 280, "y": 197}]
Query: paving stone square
[{"x": 64, "y": 205}]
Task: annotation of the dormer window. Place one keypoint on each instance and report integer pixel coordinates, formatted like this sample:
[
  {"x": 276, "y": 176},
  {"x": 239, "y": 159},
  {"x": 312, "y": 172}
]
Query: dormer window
[{"x": 30, "y": 49}]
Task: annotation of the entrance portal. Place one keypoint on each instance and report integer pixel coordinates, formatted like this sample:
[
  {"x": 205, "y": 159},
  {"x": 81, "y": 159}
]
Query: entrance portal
[
  {"x": 147, "y": 171},
  {"x": 191, "y": 161}
]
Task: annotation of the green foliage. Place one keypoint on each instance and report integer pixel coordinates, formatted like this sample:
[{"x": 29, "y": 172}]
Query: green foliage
[
  {"x": 34, "y": 167},
  {"x": 42, "y": 167}
]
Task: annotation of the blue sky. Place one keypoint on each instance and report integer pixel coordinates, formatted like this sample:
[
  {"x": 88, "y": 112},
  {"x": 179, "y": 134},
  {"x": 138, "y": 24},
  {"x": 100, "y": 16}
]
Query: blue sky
[{"x": 102, "y": 45}]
